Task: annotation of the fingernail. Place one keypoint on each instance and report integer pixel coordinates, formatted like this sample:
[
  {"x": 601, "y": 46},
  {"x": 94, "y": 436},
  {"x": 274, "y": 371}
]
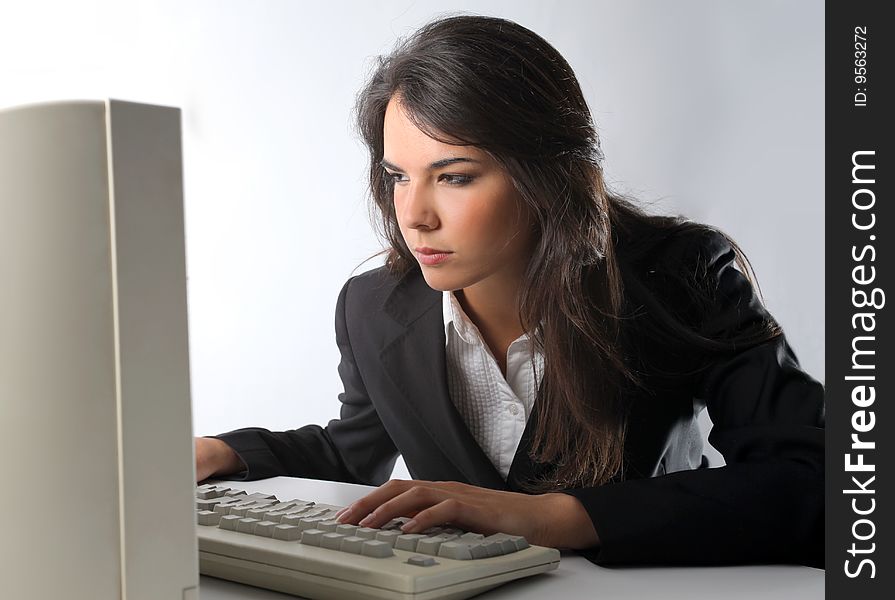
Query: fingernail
[
  {"x": 366, "y": 520},
  {"x": 408, "y": 526}
]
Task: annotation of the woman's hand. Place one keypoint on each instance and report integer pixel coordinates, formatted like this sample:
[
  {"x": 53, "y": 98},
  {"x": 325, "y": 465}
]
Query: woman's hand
[
  {"x": 214, "y": 457},
  {"x": 554, "y": 520}
]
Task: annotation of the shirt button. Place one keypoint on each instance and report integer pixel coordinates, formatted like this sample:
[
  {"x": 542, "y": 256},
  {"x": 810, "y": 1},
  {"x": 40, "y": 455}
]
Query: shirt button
[{"x": 514, "y": 409}]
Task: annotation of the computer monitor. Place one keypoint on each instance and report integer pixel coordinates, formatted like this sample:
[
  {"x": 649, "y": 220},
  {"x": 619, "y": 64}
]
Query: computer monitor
[{"x": 97, "y": 446}]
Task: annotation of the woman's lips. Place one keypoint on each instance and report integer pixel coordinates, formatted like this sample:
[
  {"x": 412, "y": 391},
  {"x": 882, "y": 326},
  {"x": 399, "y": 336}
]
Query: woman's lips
[{"x": 432, "y": 259}]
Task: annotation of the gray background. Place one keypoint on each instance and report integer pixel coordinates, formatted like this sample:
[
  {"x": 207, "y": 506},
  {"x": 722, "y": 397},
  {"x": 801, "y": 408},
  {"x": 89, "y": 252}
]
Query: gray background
[{"x": 709, "y": 109}]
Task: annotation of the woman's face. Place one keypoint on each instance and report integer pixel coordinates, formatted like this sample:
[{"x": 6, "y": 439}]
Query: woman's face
[{"x": 456, "y": 199}]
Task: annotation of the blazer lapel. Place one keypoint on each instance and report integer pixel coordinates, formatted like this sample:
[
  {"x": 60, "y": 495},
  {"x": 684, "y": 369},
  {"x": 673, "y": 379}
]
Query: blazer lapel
[{"x": 415, "y": 361}]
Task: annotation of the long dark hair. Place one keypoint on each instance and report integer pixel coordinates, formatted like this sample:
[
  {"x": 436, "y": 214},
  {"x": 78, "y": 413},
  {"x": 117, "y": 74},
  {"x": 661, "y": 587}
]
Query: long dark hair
[{"x": 493, "y": 84}]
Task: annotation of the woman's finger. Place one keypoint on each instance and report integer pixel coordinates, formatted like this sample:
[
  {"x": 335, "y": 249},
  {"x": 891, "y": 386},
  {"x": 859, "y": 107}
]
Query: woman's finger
[
  {"x": 414, "y": 499},
  {"x": 453, "y": 511},
  {"x": 364, "y": 506}
]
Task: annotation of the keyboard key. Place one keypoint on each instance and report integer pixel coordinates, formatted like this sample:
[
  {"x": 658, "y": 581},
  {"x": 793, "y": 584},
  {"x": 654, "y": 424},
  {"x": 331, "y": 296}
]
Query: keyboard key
[
  {"x": 478, "y": 550},
  {"x": 347, "y": 529},
  {"x": 366, "y": 532},
  {"x": 228, "y": 500},
  {"x": 287, "y": 519},
  {"x": 258, "y": 512},
  {"x": 299, "y": 502},
  {"x": 279, "y": 513},
  {"x": 287, "y": 506},
  {"x": 388, "y": 537},
  {"x": 396, "y": 523},
  {"x": 229, "y": 522},
  {"x": 422, "y": 561},
  {"x": 472, "y": 537},
  {"x": 408, "y": 541},
  {"x": 264, "y": 528},
  {"x": 352, "y": 544},
  {"x": 376, "y": 549},
  {"x": 311, "y": 537},
  {"x": 246, "y": 525},
  {"x": 309, "y": 523},
  {"x": 332, "y": 540},
  {"x": 290, "y": 504},
  {"x": 507, "y": 545},
  {"x": 492, "y": 548},
  {"x": 261, "y": 496},
  {"x": 208, "y": 494},
  {"x": 222, "y": 508},
  {"x": 455, "y": 550},
  {"x": 207, "y": 504},
  {"x": 521, "y": 542},
  {"x": 430, "y": 545},
  {"x": 240, "y": 508},
  {"x": 240, "y": 511},
  {"x": 328, "y": 525},
  {"x": 287, "y": 533},
  {"x": 208, "y": 517}
]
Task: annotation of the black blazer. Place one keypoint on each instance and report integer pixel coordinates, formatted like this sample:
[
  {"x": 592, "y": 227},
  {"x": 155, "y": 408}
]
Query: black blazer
[{"x": 765, "y": 505}]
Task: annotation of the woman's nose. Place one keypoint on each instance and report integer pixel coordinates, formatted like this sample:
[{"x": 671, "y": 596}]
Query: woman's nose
[{"x": 416, "y": 208}]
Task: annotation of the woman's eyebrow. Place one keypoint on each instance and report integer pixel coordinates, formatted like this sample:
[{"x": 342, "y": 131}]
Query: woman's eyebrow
[{"x": 438, "y": 164}]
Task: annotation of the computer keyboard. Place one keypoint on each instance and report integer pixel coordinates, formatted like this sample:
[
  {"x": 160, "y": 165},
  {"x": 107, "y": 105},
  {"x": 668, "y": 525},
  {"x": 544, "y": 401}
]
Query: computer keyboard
[{"x": 297, "y": 547}]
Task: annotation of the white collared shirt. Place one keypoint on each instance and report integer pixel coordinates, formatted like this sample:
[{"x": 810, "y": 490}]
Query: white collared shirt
[{"x": 494, "y": 408}]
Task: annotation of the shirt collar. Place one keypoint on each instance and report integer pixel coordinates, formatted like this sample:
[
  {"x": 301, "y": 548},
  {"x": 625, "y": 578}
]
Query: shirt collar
[{"x": 455, "y": 317}]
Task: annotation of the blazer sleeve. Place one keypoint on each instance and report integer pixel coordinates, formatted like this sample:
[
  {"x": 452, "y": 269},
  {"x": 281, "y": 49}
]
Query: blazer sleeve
[
  {"x": 766, "y": 505},
  {"x": 355, "y": 448}
]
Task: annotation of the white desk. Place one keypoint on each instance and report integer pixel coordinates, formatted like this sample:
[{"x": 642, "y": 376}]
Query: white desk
[{"x": 575, "y": 577}]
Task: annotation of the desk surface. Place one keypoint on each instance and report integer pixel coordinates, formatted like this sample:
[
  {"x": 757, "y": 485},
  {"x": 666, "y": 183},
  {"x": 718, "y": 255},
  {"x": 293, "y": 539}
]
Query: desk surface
[{"x": 575, "y": 577}]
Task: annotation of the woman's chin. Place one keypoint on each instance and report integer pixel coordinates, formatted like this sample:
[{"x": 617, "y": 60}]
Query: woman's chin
[{"x": 439, "y": 281}]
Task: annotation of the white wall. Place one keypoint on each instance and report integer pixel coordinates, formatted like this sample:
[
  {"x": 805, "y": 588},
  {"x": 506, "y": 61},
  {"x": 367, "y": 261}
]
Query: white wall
[{"x": 714, "y": 109}]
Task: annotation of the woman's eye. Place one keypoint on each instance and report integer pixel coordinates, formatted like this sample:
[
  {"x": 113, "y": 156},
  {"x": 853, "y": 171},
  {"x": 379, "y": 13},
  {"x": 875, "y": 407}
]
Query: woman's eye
[{"x": 457, "y": 179}]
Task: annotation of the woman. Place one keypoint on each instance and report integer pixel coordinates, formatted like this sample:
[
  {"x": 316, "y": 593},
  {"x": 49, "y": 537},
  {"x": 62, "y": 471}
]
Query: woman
[{"x": 538, "y": 348}]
